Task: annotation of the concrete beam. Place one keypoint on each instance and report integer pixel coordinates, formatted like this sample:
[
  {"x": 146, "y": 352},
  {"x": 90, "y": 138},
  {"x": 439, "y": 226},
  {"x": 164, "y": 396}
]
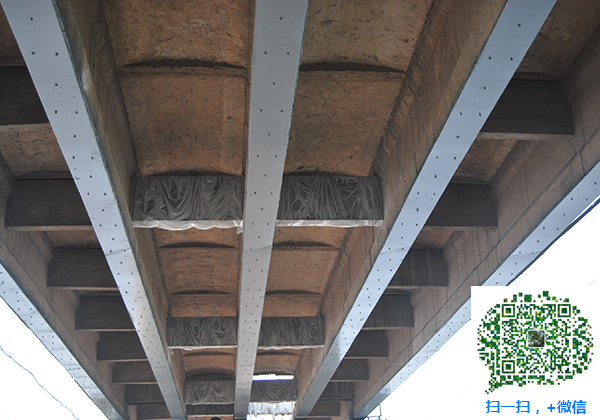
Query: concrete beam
[
  {"x": 221, "y": 391},
  {"x": 80, "y": 269},
  {"x": 210, "y": 410},
  {"x": 468, "y": 55},
  {"x": 133, "y": 373},
  {"x": 392, "y": 311},
  {"x": 325, "y": 409},
  {"x": 152, "y": 412},
  {"x": 203, "y": 202},
  {"x": 208, "y": 201},
  {"x": 120, "y": 347},
  {"x": 276, "y": 362},
  {"x": 45, "y": 206},
  {"x": 369, "y": 345},
  {"x": 338, "y": 391},
  {"x": 143, "y": 394},
  {"x": 275, "y": 333},
  {"x": 351, "y": 371},
  {"x": 421, "y": 268},
  {"x": 19, "y": 101},
  {"x": 67, "y": 51},
  {"x": 464, "y": 206},
  {"x": 529, "y": 110},
  {"x": 102, "y": 313}
]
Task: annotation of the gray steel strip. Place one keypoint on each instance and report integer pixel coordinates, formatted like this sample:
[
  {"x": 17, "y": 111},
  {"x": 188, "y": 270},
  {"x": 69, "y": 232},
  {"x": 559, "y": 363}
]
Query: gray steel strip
[
  {"x": 37, "y": 26},
  {"x": 515, "y": 30},
  {"x": 278, "y": 34},
  {"x": 29, "y": 314},
  {"x": 549, "y": 229}
]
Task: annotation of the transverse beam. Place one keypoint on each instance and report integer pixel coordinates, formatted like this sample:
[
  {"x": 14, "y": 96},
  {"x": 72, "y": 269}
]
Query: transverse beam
[
  {"x": 338, "y": 391},
  {"x": 351, "y": 371},
  {"x": 210, "y": 410},
  {"x": 49, "y": 313},
  {"x": 207, "y": 201},
  {"x": 421, "y": 268},
  {"x": 56, "y": 205},
  {"x": 153, "y": 412},
  {"x": 143, "y": 394},
  {"x": 102, "y": 313},
  {"x": 133, "y": 373},
  {"x": 46, "y": 205},
  {"x": 275, "y": 333},
  {"x": 80, "y": 269},
  {"x": 221, "y": 391},
  {"x": 529, "y": 110},
  {"x": 202, "y": 202},
  {"x": 326, "y": 409},
  {"x": 464, "y": 206},
  {"x": 392, "y": 311},
  {"x": 120, "y": 347},
  {"x": 369, "y": 344},
  {"x": 19, "y": 101}
]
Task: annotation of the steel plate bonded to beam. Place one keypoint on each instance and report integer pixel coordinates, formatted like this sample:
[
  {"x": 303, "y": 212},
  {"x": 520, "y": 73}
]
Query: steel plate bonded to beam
[
  {"x": 515, "y": 30},
  {"x": 29, "y": 314},
  {"x": 278, "y": 34},
  {"x": 40, "y": 30}
]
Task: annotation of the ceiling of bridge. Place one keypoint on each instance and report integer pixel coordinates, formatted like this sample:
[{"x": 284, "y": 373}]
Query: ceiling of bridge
[{"x": 184, "y": 73}]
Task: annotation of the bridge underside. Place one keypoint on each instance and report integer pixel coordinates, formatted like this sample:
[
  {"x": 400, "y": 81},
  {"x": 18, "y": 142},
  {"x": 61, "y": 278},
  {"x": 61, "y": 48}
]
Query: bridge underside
[{"x": 196, "y": 193}]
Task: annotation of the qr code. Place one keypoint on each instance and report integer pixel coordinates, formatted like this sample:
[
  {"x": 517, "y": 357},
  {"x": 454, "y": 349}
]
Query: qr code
[{"x": 539, "y": 339}]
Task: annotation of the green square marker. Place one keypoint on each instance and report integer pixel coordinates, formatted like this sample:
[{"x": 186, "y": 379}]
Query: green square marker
[
  {"x": 508, "y": 311},
  {"x": 564, "y": 310},
  {"x": 508, "y": 366},
  {"x": 536, "y": 338}
]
